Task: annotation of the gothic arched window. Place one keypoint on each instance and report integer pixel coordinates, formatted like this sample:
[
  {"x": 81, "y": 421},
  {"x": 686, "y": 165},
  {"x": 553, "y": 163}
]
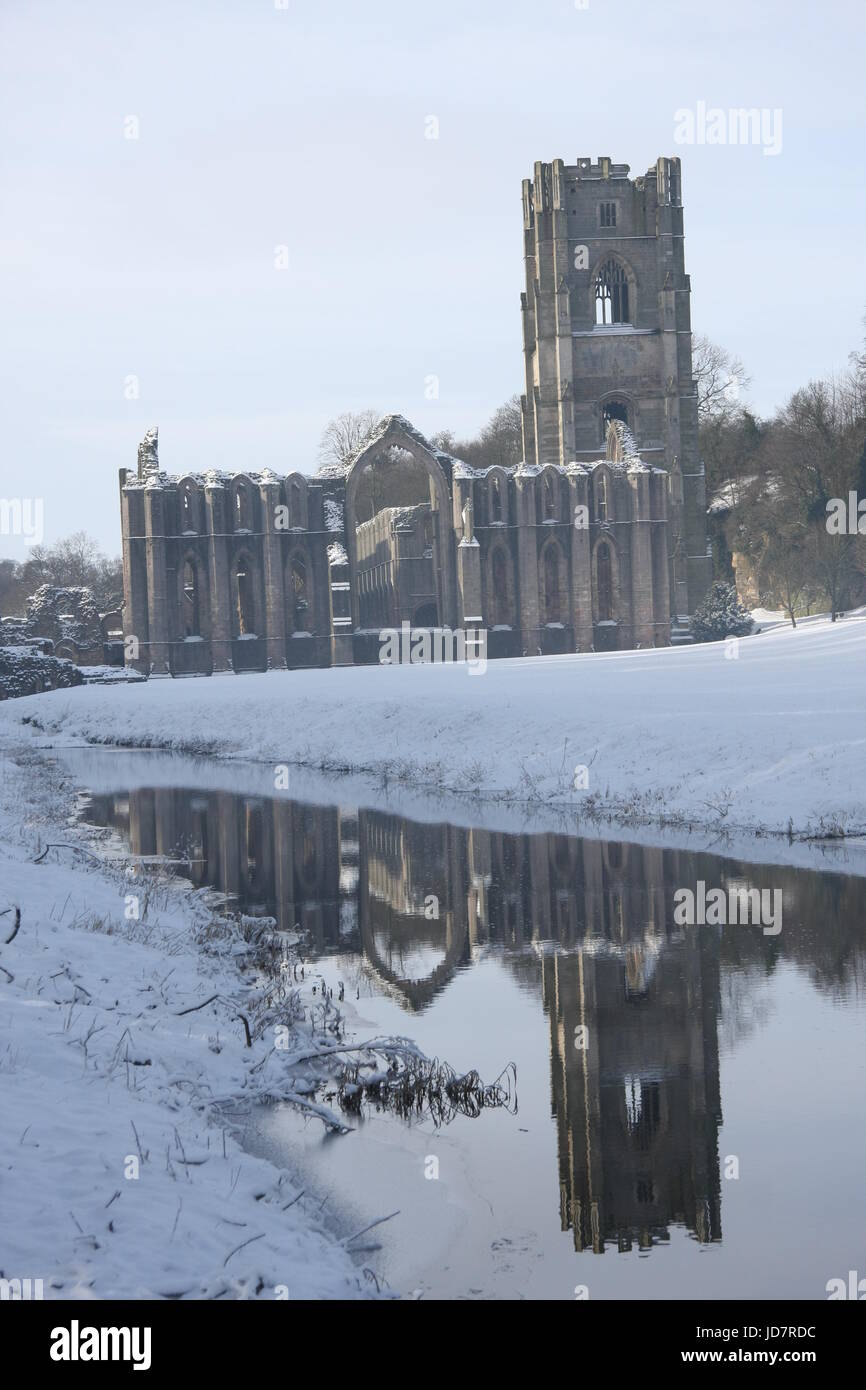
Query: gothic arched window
[
  {"x": 187, "y": 509},
  {"x": 243, "y": 506},
  {"x": 600, "y": 497},
  {"x": 299, "y": 595},
  {"x": 296, "y": 510},
  {"x": 496, "y": 500},
  {"x": 614, "y": 410},
  {"x": 552, "y": 585},
  {"x": 611, "y": 294},
  {"x": 551, "y": 498},
  {"x": 191, "y": 604},
  {"x": 244, "y": 602}
]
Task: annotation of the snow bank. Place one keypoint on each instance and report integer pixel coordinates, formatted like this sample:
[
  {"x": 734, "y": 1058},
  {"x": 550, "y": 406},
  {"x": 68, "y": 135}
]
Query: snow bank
[
  {"x": 766, "y": 736},
  {"x": 116, "y": 1181}
]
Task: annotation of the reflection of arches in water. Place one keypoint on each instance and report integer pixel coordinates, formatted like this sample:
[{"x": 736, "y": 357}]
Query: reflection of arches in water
[
  {"x": 197, "y": 840},
  {"x": 640, "y": 966},
  {"x": 615, "y": 855},
  {"x": 254, "y": 832},
  {"x": 307, "y": 849},
  {"x": 414, "y": 994}
]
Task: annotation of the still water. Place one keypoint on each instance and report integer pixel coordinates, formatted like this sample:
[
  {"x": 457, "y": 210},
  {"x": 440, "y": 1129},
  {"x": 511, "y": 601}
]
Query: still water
[{"x": 691, "y": 1119}]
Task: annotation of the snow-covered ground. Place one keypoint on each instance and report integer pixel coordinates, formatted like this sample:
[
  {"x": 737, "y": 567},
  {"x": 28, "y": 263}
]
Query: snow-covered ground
[
  {"x": 120, "y": 1176},
  {"x": 766, "y": 735}
]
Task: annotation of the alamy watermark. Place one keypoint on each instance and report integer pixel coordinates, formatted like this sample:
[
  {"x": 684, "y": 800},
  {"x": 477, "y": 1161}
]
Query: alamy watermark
[
  {"x": 719, "y": 907},
  {"x": 739, "y": 125},
  {"x": 423, "y": 645},
  {"x": 846, "y": 516},
  {"x": 21, "y": 1290},
  {"x": 23, "y": 516}
]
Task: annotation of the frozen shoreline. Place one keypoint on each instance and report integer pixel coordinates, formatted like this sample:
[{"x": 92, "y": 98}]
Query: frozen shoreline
[{"x": 121, "y": 1175}]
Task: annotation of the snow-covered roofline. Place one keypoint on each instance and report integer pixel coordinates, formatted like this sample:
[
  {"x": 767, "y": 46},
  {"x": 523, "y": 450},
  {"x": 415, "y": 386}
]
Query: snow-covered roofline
[{"x": 628, "y": 461}]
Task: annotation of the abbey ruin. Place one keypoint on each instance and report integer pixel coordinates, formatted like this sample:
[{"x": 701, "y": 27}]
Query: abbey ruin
[{"x": 596, "y": 541}]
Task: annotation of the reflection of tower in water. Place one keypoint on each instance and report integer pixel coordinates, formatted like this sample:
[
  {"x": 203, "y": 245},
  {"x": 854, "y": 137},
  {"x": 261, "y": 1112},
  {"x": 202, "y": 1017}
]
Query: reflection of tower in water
[{"x": 634, "y": 1063}]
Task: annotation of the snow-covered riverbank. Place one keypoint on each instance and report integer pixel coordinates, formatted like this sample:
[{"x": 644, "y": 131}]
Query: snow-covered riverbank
[
  {"x": 768, "y": 737},
  {"x": 123, "y": 1060}
]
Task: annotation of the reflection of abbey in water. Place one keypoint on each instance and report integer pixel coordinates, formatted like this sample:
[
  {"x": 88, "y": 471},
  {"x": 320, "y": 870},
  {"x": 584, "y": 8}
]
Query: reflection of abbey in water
[{"x": 586, "y": 924}]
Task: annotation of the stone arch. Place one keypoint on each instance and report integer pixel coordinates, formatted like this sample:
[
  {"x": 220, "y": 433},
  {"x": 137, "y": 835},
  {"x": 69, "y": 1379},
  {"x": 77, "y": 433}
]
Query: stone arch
[
  {"x": 189, "y": 519},
  {"x": 299, "y": 589},
  {"x": 601, "y": 509},
  {"x": 552, "y": 584},
  {"x": 246, "y": 598},
  {"x": 194, "y": 612},
  {"x": 394, "y": 432},
  {"x": 497, "y": 496},
  {"x": 614, "y": 283},
  {"x": 605, "y": 581},
  {"x": 550, "y": 499},
  {"x": 615, "y": 405},
  {"x": 241, "y": 507},
  {"x": 296, "y": 502}
]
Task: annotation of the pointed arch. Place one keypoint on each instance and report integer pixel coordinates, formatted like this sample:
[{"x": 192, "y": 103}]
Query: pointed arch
[
  {"x": 552, "y": 591},
  {"x": 615, "y": 407},
  {"x": 241, "y": 503},
  {"x": 296, "y": 501},
  {"x": 613, "y": 290},
  {"x": 497, "y": 496},
  {"x": 602, "y": 496},
  {"x": 550, "y": 495},
  {"x": 299, "y": 592},
  {"x": 605, "y": 582},
  {"x": 193, "y": 597},
  {"x": 189, "y": 507},
  {"x": 246, "y": 607}
]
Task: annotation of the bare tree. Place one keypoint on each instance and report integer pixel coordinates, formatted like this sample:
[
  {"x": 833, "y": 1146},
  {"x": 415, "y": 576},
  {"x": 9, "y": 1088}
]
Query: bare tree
[
  {"x": 74, "y": 562},
  {"x": 721, "y": 380},
  {"x": 343, "y": 436},
  {"x": 499, "y": 442}
]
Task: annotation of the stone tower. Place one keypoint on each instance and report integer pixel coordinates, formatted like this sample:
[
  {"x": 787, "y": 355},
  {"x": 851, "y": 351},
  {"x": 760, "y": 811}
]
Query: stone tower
[{"x": 607, "y": 335}]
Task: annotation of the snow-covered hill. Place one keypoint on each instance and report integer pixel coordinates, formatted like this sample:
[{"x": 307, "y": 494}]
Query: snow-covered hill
[{"x": 770, "y": 735}]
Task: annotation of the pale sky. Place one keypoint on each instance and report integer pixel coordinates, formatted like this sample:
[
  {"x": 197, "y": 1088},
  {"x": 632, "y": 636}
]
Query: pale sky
[{"x": 304, "y": 127}]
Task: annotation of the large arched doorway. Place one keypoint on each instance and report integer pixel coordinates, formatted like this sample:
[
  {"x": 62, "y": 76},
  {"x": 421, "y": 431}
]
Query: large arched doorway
[{"x": 399, "y": 538}]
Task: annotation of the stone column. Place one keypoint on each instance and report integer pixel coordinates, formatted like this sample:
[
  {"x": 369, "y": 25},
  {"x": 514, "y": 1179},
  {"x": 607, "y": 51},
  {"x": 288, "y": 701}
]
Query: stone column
[
  {"x": 581, "y": 563},
  {"x": 527, "y": 563},
  {"x": 158, "y": 596},
  {"x": 641, "y": 562},
  {"x": 275, "y": 589},
  {"x": 134, "y": 579},
  {"x": 220, "y": 579}
]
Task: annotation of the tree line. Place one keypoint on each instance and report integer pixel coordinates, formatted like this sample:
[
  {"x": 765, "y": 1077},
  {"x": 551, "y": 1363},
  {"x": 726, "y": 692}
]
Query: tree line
[
  {"x": 74, "y": 562},
  {"x": 787, "y": 495}
]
